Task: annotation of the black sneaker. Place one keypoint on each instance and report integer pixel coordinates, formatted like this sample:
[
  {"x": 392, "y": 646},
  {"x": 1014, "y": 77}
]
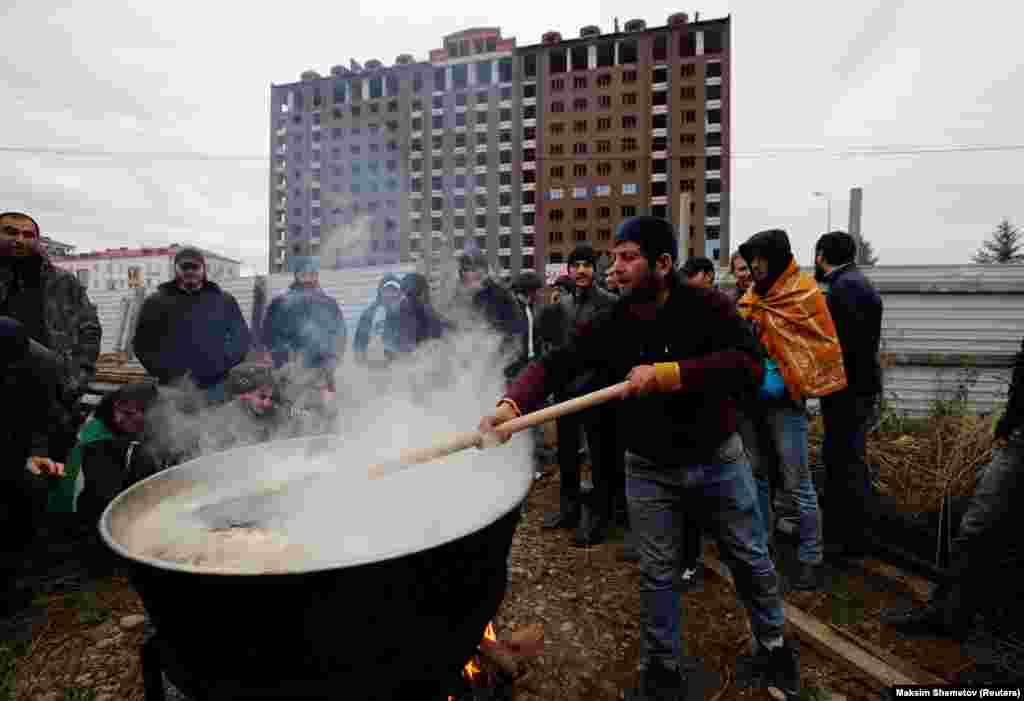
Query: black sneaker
[
  {"x": 658, "y": 683},
  {"x": 782, "y": 671}
]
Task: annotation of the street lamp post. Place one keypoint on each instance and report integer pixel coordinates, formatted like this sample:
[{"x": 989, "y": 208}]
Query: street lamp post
[{"x": 828, "y": 202}]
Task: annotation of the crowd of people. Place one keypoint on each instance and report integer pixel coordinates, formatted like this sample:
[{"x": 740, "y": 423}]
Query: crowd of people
[{"x": 709, "y": 437}]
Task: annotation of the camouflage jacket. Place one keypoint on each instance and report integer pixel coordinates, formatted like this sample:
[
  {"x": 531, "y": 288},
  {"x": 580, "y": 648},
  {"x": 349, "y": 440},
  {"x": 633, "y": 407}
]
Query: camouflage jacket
[{"x": 71, "y": 323}]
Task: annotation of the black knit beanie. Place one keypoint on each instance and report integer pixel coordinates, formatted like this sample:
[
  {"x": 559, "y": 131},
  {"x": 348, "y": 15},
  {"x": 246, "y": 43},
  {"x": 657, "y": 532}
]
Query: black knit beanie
[
  {"x": 654, "y": 235},
  {"x": 583, "y": 253}
]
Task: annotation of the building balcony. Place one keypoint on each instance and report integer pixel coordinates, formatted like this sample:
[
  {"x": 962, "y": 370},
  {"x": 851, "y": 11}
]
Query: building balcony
[
  {"x": 416, "y": 134},
  {"x": 530, "y": 122},
  {"x": 712, "y": 221},
  {"x": 504, "y": 167},
  {"x": 415, "y": 235},
  {"x": 656, "y": 155},
  {"x": 503, "y": 230},
  {"x": 481, "y": 148},
  {"x": 437, "y": 112},
  {"x": 460, "y": 211},
  {"x": 479, "y": 170},
  {"x": 280, "y": 168},
  {"x": 504, "y": 251},
  {"x": 529, "y": 101},
  {"x": 713, "y": 197},
  {"x": 316, "y": 146},
  {"x": 717, "y": 80},
  {"x": 280, "y": 131},
  {"x": 532, "y": 143},
  {"x": 530, "y": 165},
  {"x": 659, "y": 109},
  {"x": 281, "y": 187},
  {"x": 416, "y": 193},
  {"x": 659, "y": 87},
  {"x": 527, "y": 229},
  {"x": 713, "y": 104},
  {"x": 315, "y": 165},
  {"x": 458, "y": 150},
  {"x": 505, "y": 104},
  {"x": 528, "y": 250},
  {"x": 480, "y": 189},
  {"x": 504, "y": 188},
  {"x": 460, "y": 109},
  {"x": 659, "y": 177},
  {"x": 712, "y": 175},
  {"x": 528, "y": 208},
  {"x": 712, "y": 128},
  {"x": 314, "y": 222},
  {"x": 480, "y": 128},
  {"x": 416, "y": 113},
  {"x": 713, "y": 151},
  {"x": 662, "y": 199},
  {"x": 314, "y": 127},
  {"x": 438, "y": 171},
  {"x": 659, "y": 132},
  {"x": 504, "y": 210},
  {"x": 280, "y": 150},
  {"x": 529, "y": 187},
  {"x": 504, "y": 125},
  {"x": 415, "y": 215}
]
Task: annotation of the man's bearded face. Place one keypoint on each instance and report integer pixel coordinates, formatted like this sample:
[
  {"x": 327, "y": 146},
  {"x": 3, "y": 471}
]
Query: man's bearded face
[
  {"x": 19, "y": 237},
  {"x": 190, "y": 274}
]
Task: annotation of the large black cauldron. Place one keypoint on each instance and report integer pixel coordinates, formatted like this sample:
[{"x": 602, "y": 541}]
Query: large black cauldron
[{"x": 402, "y": 627}]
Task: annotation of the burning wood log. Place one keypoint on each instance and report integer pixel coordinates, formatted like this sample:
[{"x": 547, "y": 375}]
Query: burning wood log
[{"x": 511, "y": 653}]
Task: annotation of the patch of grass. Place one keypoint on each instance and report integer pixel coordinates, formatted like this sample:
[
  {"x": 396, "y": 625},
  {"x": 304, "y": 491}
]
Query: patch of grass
[
  {"x": 10, "y": 653},
  {"x": 90, "y": 611},
  {"x": 847, "y": 605},
  {"x": 79, "y": 694},
  {"x": 811, "y": 692}
]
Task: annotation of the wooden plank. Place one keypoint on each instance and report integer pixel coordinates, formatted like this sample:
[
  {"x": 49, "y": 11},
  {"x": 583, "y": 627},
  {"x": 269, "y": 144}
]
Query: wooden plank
[
  {"x": 819, "y": 636},
  {"x": 922, "y": 676},
  {"x": 920, "y": 588}
]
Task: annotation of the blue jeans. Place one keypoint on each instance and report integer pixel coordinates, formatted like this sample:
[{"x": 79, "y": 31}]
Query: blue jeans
[
  {"x": 721, "y": 495},
  {"x": 776, "y": 441}
]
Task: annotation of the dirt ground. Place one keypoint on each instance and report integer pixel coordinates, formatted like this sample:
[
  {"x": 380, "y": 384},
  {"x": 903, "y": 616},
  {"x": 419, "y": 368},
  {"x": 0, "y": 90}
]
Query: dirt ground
[{"x": 81, "y": 643}]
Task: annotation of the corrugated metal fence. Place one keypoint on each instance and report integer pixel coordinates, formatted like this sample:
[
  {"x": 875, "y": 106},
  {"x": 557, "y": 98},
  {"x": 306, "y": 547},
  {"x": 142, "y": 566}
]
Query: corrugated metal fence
[{"x": 947, "y": 329}]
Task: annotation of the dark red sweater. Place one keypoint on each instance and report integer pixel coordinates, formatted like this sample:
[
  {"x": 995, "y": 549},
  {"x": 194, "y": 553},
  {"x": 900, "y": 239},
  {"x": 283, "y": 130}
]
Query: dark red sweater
[{"x": 718, "y": 358}]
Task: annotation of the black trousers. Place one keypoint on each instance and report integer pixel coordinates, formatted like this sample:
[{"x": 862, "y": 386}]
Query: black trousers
[
  {"x": 22, "y": 504},
  {"x": 848, "y": 492},
  {"x": 606, "y": 459}
]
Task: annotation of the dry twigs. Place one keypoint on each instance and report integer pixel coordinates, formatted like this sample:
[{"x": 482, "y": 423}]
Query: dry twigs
[{"x": 917, "y": 470}]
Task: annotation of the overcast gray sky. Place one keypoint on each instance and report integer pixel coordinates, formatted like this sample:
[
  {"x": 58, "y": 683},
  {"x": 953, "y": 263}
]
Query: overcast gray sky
[{"x": 812, "y": 82}]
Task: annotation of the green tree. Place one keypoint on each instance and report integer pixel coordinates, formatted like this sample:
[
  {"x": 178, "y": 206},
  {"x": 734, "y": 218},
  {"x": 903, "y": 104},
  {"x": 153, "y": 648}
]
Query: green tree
[
  {"x": 866, "y": 253},
  {"x": 1004, "y": 245}
]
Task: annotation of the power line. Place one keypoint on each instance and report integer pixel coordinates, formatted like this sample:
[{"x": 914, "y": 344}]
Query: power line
[{"x": 867, "y": 151}]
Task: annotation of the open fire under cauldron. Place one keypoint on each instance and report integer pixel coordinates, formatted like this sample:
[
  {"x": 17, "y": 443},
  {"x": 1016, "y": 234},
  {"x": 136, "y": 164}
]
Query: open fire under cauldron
[{"x": 398, "y": 626}]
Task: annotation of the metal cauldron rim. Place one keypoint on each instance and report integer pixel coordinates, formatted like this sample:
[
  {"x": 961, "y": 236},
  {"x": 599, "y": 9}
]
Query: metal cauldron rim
[{"x": 114, "y": 545}]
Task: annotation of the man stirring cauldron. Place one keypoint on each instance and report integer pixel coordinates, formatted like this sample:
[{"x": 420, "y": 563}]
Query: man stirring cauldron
[{"x": 685, "y": 352}]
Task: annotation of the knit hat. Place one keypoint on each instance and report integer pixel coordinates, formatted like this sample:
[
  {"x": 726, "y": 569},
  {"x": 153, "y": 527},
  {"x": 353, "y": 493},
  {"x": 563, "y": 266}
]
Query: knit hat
[
  {"x": 305, "y": 264},
  {"x": 247, "y": 377},
  {"x": 189, "y": 253},
  {"x": 583, "y": 253},
  {"x": 654, "y": 235}
]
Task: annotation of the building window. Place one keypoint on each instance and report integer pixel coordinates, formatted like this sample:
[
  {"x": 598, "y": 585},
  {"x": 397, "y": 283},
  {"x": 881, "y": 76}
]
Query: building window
[
  {"x": 659, "y": 189},
  {"x": 629, "y": 211},
  {"x": 714, "y": 116},
  {"x": 557, "y": 171},
  {"x": 436, "y": 142},
  {"x": 712, "y": 187},
  {"x": 557, "y": 84},
  {"x": 629, "y": 188},
  {"x": 628, "y": 76},
  {"x": 579, "y": 148},
  {"x": 505, "y": 70},
  {"x": 628, "y": 144},
  {"x": 629, "y": 121},
  {"x": 604, "y": 146},
  {"x": 604, "y": 212},
  {"x": 557, "y": 107},
  {"x": 579, "y": 170},
  {"x": 529, "y": 133},
  {"x": 604, "y": 80},
  {"x": 530, "y": 90},
  {"x": 579, "y": 126},
  {"x": 556, "y": 149},
  {"x": 505, "y": 115},
  {"x": 688, "y": 92},
  {"x": 686, "y": 185},
  {"x": 604, "y": 169},
  {"x": 480, "y": 220},
  {"x": 580, "y": 235},
  {"x": 528, "y": 218},
  {"x": 555, "y": 194},
  {"x": 659, "y": 121},
  {"x": 579, "y": 193},
  {"x": 604, "y": 102},
  {"x": 580, "y": 104},
  {"x": 604, "y": 123},
  {"x": 579, "y": 82},
  {"x": 556, "y": 215},
  {"x": 530, "y": 65},
  {"x": 629, "y": 166},
  {"x": 659, "y": 143},
  {"x": 688, "y": 139},
  {"x": 659, "y": 166},
  {"x": 529, "y": 196},
  {"x": 557, "y": 62},
  {"x": 555, "y": 237},
  {"x": 712, "y": 233},
  {"x": 580, "y": 213},
  {"x": 659, "y": 99},
  {"x": 557, "y": 127},
  {"x": 713, "y": 69},
  {"x": 629, "y": 98},
  {"x": 689, "y": 116},
  {"x": 713, "y": 163}
]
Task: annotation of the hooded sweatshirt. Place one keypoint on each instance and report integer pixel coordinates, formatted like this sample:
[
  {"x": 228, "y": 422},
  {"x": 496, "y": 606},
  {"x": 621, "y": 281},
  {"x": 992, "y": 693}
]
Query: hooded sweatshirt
[
  {"x": 202, "y": 333},
  {"x": 381, "y": 323},
  {"x": 308, "y": 321}
]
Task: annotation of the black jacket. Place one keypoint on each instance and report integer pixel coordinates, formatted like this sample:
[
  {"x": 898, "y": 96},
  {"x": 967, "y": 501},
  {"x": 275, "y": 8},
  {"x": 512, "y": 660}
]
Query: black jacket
[
  {"x": 1013, "y": 418},
  {"x": 203, "y": 333},
  {"x": 700, "y": 330},
  {"x": 498, "y": 307},
  {"x": 856, "y": 309}
]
